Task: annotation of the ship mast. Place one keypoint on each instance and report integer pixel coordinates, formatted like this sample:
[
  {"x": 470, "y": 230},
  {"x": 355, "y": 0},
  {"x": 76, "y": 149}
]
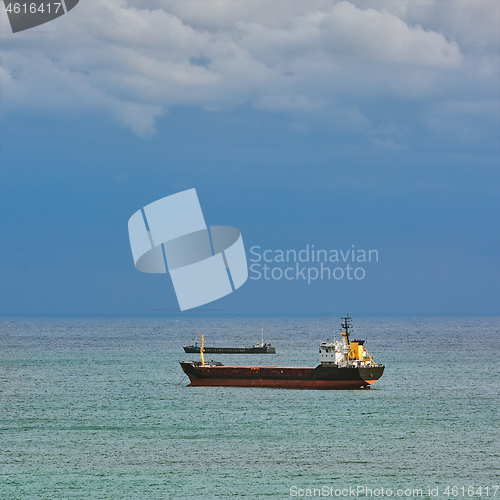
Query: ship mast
[
  {"x": 262, "y": 335},
  {"x": 202, "y": 350},
  {"x": 346, "y": 325}
]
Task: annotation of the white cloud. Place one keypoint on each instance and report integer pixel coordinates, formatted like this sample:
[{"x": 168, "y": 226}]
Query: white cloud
[{"x": 316, "y": 60}]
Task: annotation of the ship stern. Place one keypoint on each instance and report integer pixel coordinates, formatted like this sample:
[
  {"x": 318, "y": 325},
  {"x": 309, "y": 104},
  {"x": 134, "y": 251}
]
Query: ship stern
[{"x": 371, "y": 374}]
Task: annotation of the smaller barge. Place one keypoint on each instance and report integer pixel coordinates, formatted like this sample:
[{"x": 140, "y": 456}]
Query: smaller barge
[{"x": 258, "y": 348}]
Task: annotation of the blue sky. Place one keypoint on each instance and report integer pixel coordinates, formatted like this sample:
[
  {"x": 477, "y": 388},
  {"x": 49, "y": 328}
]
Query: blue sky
[{"x": 326, "y": 123}]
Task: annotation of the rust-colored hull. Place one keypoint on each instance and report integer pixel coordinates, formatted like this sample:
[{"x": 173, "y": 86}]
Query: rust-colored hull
[{"x": 320, "y": 377}]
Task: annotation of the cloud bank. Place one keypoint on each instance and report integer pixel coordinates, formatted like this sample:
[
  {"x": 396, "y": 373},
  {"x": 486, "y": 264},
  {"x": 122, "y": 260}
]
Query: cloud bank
[{"x": 343, "y": 64}]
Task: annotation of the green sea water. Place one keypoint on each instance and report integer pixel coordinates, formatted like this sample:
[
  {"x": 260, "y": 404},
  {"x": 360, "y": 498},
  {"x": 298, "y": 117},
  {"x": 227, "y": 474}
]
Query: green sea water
[{"x": 98, "y": 408}]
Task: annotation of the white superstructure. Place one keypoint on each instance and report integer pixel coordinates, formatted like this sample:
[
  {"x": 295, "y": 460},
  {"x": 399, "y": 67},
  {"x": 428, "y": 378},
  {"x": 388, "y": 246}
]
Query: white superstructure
[{"x": 344, "y": 353}]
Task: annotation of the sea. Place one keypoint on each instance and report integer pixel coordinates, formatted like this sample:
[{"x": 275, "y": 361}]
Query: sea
[{"x": 97, "y": 407}]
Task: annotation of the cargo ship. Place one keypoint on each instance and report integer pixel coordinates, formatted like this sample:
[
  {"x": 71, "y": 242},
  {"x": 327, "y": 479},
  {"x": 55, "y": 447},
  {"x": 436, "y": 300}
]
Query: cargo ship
[
  {"x": 257, "y": 348},
  {"x": 344, "y": 364}
]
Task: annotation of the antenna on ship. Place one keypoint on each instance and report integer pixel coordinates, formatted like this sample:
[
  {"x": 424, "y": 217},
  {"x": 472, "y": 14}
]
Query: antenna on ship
[
  {"x": 202, "y": 350},
  {"x": 346, "y": 325},
  {"x": 262, "y": 335},
  {"x": 334, "y": 323}
]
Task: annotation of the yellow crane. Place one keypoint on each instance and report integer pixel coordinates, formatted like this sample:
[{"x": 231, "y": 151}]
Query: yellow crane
[{"x": 201, "y": 351}]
